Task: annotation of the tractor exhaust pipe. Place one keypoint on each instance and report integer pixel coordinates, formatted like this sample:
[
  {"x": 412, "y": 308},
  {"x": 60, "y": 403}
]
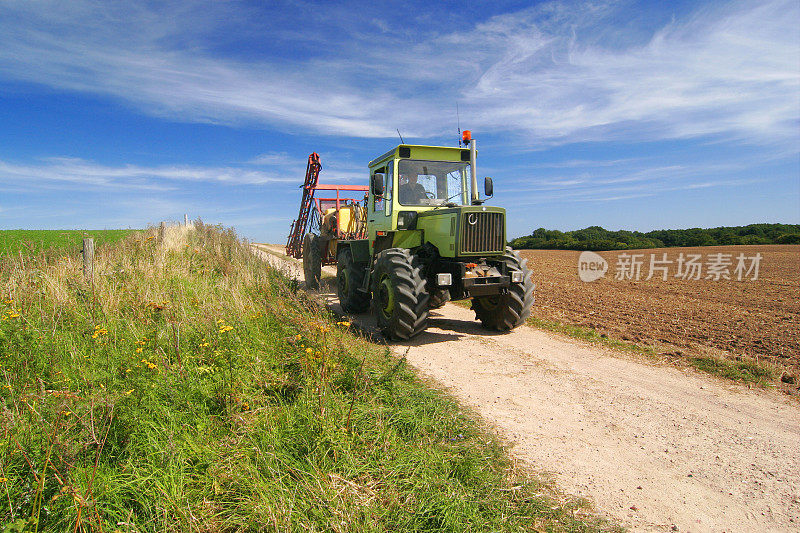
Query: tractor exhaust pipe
[
  {"x": 466, "y": 138},
  {"x": 474, "y": 164}
]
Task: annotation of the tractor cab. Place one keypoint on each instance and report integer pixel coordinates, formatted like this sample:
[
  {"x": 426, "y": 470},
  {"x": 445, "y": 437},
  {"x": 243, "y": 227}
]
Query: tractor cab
[{"x": 420, "y": 193}]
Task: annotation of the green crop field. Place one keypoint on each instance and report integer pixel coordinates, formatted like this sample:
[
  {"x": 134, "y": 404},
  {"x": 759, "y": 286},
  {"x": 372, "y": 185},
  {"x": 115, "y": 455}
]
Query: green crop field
[{"x": 32, "y": 241}]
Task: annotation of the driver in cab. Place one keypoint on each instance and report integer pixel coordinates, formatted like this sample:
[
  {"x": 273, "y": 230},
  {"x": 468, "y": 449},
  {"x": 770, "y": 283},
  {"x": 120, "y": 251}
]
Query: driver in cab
[{"x": 410, "y": 192}]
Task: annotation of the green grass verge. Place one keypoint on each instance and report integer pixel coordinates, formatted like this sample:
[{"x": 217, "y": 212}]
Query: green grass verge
[
  {"x": 580, "y": 332},
  {"x": 747, "y": 371},
  {"x": 190, "y": 387},
  {"x": 590, "y": 335},
  {"x": 34, "y": 241}
]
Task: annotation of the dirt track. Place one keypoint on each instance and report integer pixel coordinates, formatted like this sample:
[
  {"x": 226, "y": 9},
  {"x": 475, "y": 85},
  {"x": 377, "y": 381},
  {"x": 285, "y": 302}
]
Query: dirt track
[{"x": 655, "y": 448}]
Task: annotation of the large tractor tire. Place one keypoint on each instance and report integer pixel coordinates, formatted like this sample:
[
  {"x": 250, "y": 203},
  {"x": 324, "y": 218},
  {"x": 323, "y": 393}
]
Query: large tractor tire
[
  {"x": 312, "y": 260},
  {"x": 438, "y": 298},
  {"x": 399, "y": 299},
  {"x": 507, "y": 311},
  {"x": 349, "y": 278}
]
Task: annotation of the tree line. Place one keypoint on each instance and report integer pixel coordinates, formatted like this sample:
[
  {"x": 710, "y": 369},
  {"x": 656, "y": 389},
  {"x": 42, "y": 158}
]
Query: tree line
[{"x": 597, "y": 238}]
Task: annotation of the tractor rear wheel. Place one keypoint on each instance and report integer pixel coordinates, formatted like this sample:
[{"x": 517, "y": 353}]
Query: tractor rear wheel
[
  {"x": 312, "y": 260},
  {"x": 349, "y": 279},
  {"x": 399, "y": 300},
  {"x": 507, "y": 311}
]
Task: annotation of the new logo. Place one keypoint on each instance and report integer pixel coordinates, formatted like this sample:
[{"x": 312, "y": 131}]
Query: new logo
[{"x": 591, "y": 266}]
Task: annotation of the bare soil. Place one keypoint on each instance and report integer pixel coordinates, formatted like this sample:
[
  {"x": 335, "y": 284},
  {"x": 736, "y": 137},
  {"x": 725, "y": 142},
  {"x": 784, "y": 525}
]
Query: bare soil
[
  {"x": 758, "y": 319},
  {"x": 655, "y": 448}
]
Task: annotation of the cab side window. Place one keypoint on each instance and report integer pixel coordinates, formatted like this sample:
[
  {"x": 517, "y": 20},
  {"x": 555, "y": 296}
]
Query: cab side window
[
  {"x": 377, "y": 201},
  {"x": 388, "y": 189}
]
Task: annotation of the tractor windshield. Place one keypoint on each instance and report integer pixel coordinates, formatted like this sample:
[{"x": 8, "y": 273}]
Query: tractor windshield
[{"x": 433, "y": 182}]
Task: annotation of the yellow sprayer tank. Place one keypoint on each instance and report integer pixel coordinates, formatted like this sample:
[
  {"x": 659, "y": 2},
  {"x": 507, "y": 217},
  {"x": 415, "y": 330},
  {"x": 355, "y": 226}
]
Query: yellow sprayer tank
[{"x": 350, "y": 219}]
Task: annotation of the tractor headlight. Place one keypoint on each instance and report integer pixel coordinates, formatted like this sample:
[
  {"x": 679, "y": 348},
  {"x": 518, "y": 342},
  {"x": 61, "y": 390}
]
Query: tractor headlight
[
  {"x": 517, "y": 276},
  {"x": 407, "y": 220},
  {"x": 444, "y": 280}
]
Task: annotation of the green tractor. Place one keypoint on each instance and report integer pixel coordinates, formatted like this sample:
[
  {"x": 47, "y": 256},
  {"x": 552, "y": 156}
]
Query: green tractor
[{"x": 429, "y": 239}]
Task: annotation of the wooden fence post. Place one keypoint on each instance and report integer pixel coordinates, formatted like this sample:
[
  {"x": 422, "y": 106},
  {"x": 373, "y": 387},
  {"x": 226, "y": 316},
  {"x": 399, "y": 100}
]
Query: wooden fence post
[
  {"x": 185, "y": 219},
  {"x": 161, "y": 229},
  {"x": 88, "y": 259}
]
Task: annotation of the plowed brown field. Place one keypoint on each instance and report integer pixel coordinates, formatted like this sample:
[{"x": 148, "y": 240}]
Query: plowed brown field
[{"x": 759, "y": 319}]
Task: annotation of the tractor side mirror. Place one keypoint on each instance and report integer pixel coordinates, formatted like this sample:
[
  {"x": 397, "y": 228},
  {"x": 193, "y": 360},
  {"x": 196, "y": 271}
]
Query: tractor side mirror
[
  {"x": 488, "y": 187},
  {"x": 377, "y": 184}
]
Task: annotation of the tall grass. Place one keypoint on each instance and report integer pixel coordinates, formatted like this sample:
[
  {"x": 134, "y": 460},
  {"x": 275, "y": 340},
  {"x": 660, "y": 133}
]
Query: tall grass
[{"x": 190, "y": 387}]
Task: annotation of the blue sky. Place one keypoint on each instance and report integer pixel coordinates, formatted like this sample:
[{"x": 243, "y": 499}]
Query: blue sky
[{"x": 633, "y": 115}]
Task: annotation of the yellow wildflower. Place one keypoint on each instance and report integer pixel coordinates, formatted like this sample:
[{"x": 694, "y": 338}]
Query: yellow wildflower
[
  {"x": 3, "y": 479},
  {"x": 309, "y": 351},
  {"x": 139, "y": 350},
  {"x": 129, "y": 392}
]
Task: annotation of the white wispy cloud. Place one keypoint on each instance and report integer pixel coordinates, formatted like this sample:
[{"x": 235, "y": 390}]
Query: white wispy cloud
[
  {"x": 62, "y": 172},
  {"x": 549, "y": 71},
  {"x": 729, "y": 70},
  {"x": 281, "y": 159}
]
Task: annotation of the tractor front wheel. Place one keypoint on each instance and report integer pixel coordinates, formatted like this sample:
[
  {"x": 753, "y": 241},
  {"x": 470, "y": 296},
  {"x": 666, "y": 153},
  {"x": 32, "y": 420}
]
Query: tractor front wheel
[
  {"x": 399, "y": 300},
  {"x": 349, "y": 279},
  {"x": 438, "y": 298},
  {"x": 312, "y": 260},
  {"x": 507, "y": 311}
]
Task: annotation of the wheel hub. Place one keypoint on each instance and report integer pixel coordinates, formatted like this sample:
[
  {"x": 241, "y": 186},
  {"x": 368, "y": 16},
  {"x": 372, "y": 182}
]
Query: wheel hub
[
  {"x": 386, "y": 296},
  {"x": 344, "y": 283}
]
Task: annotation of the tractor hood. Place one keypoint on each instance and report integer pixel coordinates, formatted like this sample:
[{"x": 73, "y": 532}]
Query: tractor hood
[{"x": 466, "y": 231}]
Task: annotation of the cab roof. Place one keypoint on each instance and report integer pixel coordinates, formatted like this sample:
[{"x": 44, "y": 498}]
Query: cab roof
[{"x": 420, "y": 151}]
